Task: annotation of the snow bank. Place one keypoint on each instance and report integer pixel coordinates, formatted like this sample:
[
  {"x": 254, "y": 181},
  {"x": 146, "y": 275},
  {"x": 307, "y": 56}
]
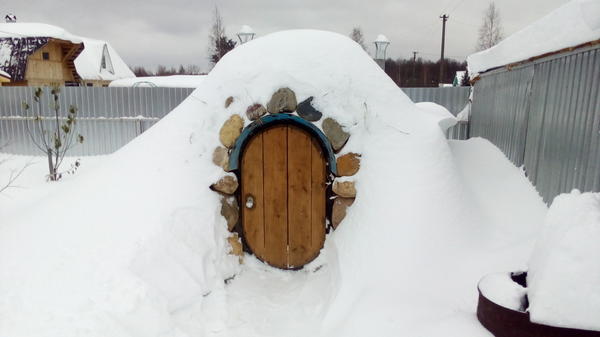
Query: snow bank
[
  {"x": 572, "y": 24},
  {"x": 444, "y": 118},
  {"x": 174, "y": 81},
  {"x": 138, "y": 247},
  {"x": 502, "y": 290},
  {"x": 564, "y": 270}
]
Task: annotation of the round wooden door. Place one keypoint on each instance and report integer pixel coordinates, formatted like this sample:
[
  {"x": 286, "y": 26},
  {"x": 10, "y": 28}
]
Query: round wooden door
[{"x": 283, "y": 196}]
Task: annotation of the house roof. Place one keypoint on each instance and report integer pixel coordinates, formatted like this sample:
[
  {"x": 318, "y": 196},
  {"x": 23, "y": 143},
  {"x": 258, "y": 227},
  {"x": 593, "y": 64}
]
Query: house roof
[
  {"x": 573, "y": 24},
  {"x": 89, "y": 63}
]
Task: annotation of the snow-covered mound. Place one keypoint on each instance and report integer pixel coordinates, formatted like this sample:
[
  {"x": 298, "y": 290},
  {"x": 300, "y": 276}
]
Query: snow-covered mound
[
  {"x": 444, "y": 118},
  {"x": 570, "y": 25},
  {"x": 564, "y": 270},
  {"x": 502, "y": 290},
  {"x": 173, "y": 81},
  {"x": 137, "y": 246}
]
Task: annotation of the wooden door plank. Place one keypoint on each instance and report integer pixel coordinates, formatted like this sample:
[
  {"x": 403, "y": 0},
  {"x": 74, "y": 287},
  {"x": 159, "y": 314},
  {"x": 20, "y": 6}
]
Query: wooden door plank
[
  {"x": 299, "y": 196},
  {"x": 275, "y": 195},
  {"x": 252, "y": 184},
  {"x": 318, "y": 197}
]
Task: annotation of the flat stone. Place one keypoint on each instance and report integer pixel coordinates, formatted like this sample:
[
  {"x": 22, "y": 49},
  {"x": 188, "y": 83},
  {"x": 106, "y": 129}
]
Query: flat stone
[
  {"x": 337, "y": 136},
  {"x": 348, "y": 164},
  {"x": 344, "y": 189},
  {"x": 230, "y": 211},
  {"x": 255, "y": 111},
  {"x": 307, "y": 111},
  {"x": 283, "y": 100},
  {"x": 221, "y": 157},
  {"x": 228, "y": 102},
  {"x": 236, "y": 246},
  {"x": 231, "y": 130},
  {"x": 228, "y": 184},
  {"x": 338, "y": 213}
]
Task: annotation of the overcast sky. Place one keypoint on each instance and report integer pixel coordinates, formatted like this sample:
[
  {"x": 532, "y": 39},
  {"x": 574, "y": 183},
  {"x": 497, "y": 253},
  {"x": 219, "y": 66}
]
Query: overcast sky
[{"x": 173, "y": 32}]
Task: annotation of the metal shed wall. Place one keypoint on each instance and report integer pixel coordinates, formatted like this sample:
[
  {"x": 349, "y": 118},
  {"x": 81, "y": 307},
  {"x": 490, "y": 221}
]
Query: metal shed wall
[
  {"x": 108, "y": 118},
  {"x": 545, "y": 115}
]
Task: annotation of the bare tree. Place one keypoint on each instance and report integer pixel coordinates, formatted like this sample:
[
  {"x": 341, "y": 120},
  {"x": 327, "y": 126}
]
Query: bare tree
[
  {"x": 357, "y": 36},
  {"x": 219, "y": 44},
  {"x": 490, "y": 32},
  {"x": 53, "y": 135}
]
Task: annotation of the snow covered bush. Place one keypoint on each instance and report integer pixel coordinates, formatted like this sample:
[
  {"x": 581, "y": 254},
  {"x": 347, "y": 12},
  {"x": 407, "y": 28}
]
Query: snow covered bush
[
  {"x": 564, "y": 270},
  {"x": 54, "y": 139}
]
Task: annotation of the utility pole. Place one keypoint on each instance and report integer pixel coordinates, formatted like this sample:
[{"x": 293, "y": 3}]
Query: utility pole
[
  {"x": 444, "y": 19},
  {"x": 414, "y": 76}
]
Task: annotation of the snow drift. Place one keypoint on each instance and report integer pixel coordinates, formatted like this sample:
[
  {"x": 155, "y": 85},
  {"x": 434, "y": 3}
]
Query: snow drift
[
  {"x": 564, "y": 270},
  {"x": 137, "y": 246},
  {"x": 570, "y": 25}
]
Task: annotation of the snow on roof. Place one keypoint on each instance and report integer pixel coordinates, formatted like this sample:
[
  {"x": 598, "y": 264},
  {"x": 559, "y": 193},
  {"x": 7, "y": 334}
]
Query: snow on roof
[
  {"x": 88, "y": 63},
  {"x": 575, "y": 23},
  {"x": 173, "y": 81},
  {"x": 460, "y": 75},
  {"x": 4, "y": 74},
  {"x": 27, "y": 29}
]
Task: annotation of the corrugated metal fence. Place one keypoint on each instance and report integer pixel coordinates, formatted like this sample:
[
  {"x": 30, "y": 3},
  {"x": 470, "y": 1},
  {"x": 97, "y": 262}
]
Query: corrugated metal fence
[
  {"x": 545, "y": 115},
  {"x": 108, "y": 118},
  {"x": 452, "y": 98}
]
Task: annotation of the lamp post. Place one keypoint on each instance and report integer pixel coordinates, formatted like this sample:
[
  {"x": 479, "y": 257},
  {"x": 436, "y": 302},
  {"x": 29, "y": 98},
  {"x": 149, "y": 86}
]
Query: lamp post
[
  {"x": 381, "y": 44},
  {"x": 245, "y": 34}
]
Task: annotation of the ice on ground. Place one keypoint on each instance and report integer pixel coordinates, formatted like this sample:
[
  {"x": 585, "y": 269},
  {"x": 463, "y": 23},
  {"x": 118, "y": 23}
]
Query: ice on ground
[
  {"x": 564, "y": 270},
  {"x": 137, "y": 247},
  {"x": 502, "y": 290},
  {"x": 572, "y": 24}
]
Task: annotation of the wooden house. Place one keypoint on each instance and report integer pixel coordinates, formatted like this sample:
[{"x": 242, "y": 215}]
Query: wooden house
[{"x": 34, "y": 54}]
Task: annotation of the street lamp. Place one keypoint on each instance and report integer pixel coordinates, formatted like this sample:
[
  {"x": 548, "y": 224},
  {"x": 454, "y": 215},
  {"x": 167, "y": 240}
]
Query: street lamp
[
  {"x": 381, "y": 44},
  {"x": 245, "y": 34}
]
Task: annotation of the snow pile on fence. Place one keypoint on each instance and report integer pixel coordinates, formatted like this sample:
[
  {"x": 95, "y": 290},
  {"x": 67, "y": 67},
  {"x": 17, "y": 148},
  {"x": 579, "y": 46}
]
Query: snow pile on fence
[
  {"x": 570, "y": 25},
  {"x": 137, "y": 246},
  {"x": 564, "y": 270},
  {"x": 173, "y": 81}
]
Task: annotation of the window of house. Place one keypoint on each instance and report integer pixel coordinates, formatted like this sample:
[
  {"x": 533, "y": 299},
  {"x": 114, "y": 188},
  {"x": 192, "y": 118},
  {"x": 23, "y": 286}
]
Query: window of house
[
  {"x": 105, "y": 61},
  {"x": 45, "y": 56},
  {"x": 90, "y": 84}
]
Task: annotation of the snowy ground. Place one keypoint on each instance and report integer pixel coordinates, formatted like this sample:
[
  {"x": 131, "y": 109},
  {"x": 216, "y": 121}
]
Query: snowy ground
[
  {"x": 135, "y": 246},
  {"x": 439, "y": 290}
]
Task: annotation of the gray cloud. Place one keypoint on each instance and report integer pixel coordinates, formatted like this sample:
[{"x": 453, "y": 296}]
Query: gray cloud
[{"x": 153, "y": 32}]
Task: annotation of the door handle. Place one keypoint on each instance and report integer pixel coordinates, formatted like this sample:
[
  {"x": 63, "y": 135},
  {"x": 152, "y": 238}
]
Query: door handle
[{"x": 249, "y": 201}]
